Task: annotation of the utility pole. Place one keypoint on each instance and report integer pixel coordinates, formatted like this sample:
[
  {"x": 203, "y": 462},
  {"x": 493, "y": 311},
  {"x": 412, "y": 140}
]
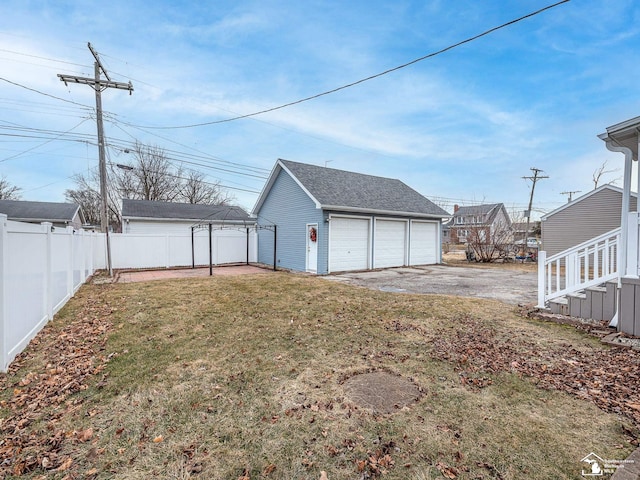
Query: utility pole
[
  {"x": 570, "y": 193},
  {"x": 534, "y": 179},
  {"x": 99, "y": 85}
]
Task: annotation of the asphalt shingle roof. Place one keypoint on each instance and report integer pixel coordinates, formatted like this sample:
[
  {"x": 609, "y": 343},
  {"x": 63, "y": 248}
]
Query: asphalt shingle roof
[
  {"x": 476, "y": 209},
  {"x": 38, "y": 211},
  {"x": 181, "y": 211},
  {"x": 489, "y": 209},
  {"x": 339, "y": 188}
]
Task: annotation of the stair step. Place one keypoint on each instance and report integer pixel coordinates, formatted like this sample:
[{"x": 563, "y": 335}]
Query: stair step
[
  {"x": 579, "y": 294},
  {"x": 559, "y": 305},
  {"x": 597, "y": 289},
  {"x": 560, "y": 300},
  {"x": 597, "y": 302}
]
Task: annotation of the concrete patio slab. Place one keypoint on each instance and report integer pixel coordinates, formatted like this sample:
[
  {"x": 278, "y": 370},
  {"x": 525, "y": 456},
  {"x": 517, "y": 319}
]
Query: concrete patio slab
[{"x": 164, "y": 274}]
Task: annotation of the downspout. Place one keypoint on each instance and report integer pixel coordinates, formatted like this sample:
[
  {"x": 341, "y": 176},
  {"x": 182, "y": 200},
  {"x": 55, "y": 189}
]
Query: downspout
[{"x": 624, "y": 219}]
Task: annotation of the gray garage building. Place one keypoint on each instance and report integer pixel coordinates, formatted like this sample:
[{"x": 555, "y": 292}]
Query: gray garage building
[{"x": 328, "y": 220}]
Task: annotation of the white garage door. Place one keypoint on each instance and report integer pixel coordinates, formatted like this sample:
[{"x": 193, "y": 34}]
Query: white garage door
[
  {"x": 348, "y": 244},
  {"x": 390, "y": 242},
  {"x": 424, "y": 243}
]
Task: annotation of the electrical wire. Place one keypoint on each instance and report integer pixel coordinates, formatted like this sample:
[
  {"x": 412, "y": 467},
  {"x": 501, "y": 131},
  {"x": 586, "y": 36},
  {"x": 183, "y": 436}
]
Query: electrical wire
[
  {"x": 209, "y": 162},
  {"x": 46, "y": 94},
  {"x": 371, "y": 77},
  {"x": 44, "y": 58},
  {"x": 185, "y": 178},
  {"x": 44, "y": 143},
  {"x": 204, "y": 155}
]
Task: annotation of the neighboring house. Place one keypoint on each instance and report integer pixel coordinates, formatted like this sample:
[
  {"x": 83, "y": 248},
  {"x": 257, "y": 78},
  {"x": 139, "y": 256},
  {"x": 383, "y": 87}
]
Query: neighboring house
[
  {"x": 519, "y": 229},
  {"x": 479, "y": 223},
  {"x": 446, "y": 233},
  {"x": 582, "y": 219},
  {"x": 329, "y": 220},
  {"x": 147, "y": 216},
  {"x": 59, "y": 214}
]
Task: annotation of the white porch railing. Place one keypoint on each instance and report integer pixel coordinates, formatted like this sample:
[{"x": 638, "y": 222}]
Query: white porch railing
[{"x": 586, "y": 265}]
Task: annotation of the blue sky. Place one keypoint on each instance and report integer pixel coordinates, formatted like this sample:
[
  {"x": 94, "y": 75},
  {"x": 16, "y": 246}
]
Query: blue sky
[{"x": 462, "y": 127}]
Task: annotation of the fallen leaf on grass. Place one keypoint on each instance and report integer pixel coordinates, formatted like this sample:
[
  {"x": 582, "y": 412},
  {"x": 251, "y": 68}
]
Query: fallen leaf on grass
[
  {"x": 268, "y": 469},
  {"x": 158, "y": 439},
  {"x": 447, "y": 471},
  {"x": 65, "y": 465},
  {"x": 84, "y": 435}
]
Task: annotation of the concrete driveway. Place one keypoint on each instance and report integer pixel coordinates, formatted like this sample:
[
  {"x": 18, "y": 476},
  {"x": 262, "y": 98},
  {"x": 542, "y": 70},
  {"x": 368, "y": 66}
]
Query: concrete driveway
[{"x": 507, "y": 285}]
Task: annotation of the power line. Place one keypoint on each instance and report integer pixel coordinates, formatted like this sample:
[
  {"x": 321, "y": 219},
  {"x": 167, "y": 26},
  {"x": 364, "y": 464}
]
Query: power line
[
  {"x": 220, "y": 185},
  {"x": 204, "y": 155},
  {"x": 206, "y": 161},
  {"x": 42, "y": 144},
  {"x": 371, "y": 77},
  {"x": 43, "y": 93},
  {"x": 44, "y": 58}
]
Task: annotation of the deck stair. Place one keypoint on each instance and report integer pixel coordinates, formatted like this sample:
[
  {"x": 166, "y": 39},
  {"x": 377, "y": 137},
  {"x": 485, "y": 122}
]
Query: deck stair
[
  {"x": 596, "y": 302},
  {"x": 582, "y": 281}
]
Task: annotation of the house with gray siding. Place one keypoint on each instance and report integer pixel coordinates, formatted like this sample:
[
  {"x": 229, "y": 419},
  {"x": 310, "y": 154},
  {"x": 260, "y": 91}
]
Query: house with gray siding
[
  {"x": 582, "y": 219},
  {"x": 322, "y": 220}
]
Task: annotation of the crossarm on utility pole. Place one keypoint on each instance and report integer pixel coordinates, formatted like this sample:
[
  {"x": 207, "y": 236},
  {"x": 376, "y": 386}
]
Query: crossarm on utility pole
[{"x": 99, "y": 85}]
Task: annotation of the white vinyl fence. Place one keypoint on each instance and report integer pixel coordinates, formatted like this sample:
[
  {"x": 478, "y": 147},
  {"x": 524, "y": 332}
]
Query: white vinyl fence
[
  {"x": 228, "y": 245},
  {"x": 40, "y": 269}
]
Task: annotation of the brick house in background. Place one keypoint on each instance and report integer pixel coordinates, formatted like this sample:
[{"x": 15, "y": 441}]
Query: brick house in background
[{"x": 478, "y": 221}]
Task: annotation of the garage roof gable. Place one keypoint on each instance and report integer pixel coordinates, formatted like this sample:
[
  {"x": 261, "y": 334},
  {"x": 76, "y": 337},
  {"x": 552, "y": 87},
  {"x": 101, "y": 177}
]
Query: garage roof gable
[{"x": 333, "y": 189}]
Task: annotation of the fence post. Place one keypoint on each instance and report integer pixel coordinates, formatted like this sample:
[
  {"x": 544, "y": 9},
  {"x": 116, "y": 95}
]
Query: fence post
[
  {"x": 4, "y": 256},
  {"x": 70, "y": 260},
  {"x": 48, "y": 272},
  {"x": 167, "y": 246},
  {"x": 83, "y": 257},
  {"x": 542, "y": 258}
]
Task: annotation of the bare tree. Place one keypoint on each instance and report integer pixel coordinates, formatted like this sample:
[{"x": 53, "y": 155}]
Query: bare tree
[
  {"x": 87, "y": 195},
  {"x": 487, "y": 244},
  {"x": 151, "y": 177},
  {"x": 598, "y": 173},
  {"x": 89, "y": 200},
  {"x": 196, "y": 190},
  {"x": 8, "y": 191}
]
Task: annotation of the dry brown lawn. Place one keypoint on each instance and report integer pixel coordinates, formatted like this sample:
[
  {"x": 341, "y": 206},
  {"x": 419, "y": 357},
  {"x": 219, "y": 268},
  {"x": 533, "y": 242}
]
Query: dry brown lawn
[{"x": 244, "y": 378}]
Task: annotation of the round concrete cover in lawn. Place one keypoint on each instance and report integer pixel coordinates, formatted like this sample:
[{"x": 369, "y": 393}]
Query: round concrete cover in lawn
[{"x": 381, "y": 392}]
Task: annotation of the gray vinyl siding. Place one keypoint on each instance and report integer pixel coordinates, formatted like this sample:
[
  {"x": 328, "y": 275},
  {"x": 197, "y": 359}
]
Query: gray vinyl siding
[
  {"x": 583, "y": 220},
  {"x": 291, "y": 209}
]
